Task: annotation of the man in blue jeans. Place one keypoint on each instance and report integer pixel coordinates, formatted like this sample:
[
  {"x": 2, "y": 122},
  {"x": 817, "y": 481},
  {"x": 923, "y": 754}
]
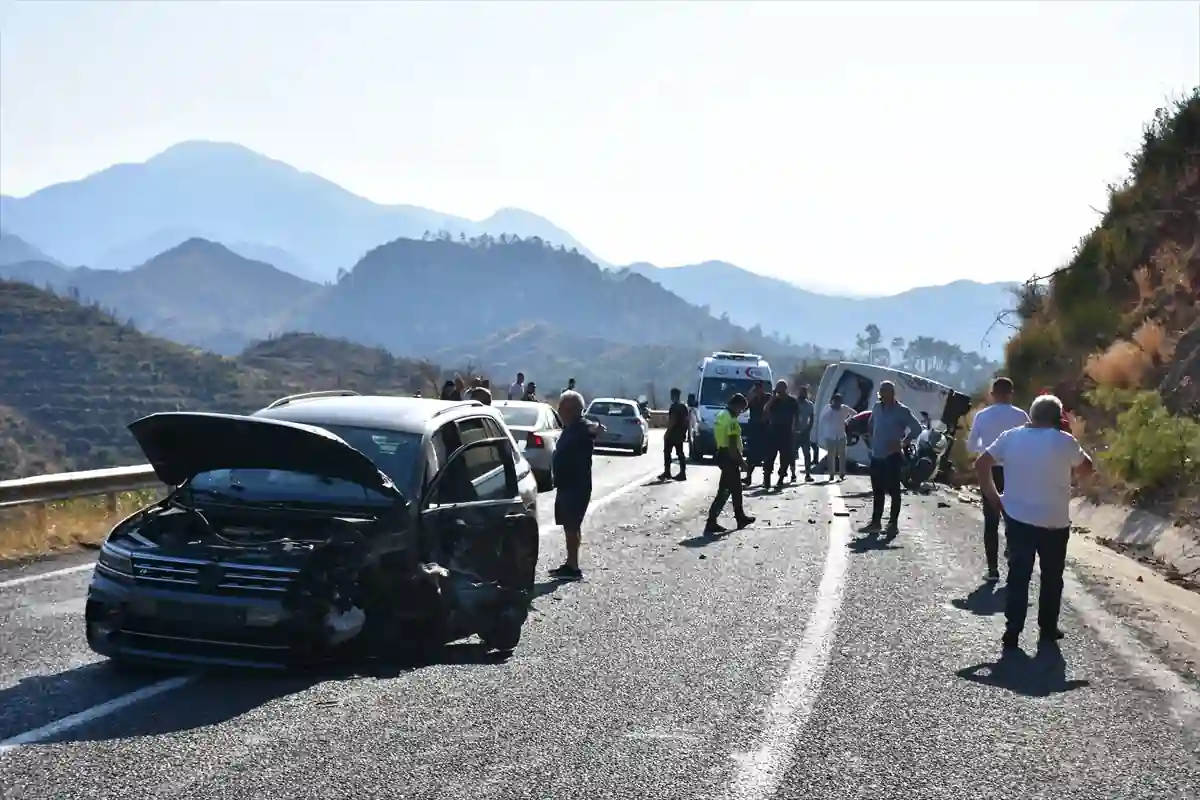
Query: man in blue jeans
[{"x": 892, "y": 423}]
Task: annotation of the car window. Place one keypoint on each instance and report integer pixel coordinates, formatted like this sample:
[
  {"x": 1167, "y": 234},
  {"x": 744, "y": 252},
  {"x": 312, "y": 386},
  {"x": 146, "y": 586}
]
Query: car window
[
  {"x": 521, "y": 416},
  {"x": 477, "y": 475},
  {"x": 557, "y": 419},
  {"x": 602, "y": 409},
  {"x": 279, "y": 486}
]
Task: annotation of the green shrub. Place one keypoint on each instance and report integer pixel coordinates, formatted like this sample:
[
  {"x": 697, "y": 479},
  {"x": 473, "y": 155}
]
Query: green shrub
[
  {"x": 1149, "y": 446},
  {"x": 1031, "y": 354}
]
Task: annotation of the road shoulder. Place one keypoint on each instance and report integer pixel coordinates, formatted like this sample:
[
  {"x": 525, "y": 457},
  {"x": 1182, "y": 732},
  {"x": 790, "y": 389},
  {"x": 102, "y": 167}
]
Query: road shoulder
[{"x": 1164, "y": 616}]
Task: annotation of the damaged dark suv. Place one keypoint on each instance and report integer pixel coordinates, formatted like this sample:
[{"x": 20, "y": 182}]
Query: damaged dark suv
[{"x": 320, "y": 526}]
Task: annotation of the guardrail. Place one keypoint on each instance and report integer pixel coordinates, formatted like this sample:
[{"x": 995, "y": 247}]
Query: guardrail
[{"x": 41, "y": 489}]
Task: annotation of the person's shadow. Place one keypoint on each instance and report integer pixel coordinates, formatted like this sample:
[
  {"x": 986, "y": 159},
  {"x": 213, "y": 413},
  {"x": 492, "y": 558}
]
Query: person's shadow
[
  {"x": 1039, "y": 676},
  {"x": 983, "y": 601}
]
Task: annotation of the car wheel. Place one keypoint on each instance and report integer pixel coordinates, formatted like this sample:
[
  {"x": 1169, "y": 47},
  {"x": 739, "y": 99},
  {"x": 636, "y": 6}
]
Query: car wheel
[
  {"x": 503, "y": 633},
  {"x": 545, "y": 480}
]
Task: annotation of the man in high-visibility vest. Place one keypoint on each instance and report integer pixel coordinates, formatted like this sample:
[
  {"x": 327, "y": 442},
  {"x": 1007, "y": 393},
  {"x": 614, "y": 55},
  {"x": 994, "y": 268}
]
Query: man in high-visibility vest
[{"x": 728, "y": 433}]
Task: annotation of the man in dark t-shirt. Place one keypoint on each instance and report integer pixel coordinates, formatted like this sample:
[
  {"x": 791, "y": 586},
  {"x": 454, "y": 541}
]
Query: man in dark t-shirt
[
  {"x": 781, "y": 412},
  {"x": 756, "y": 430},
  {"x": 677, "y": 429}
]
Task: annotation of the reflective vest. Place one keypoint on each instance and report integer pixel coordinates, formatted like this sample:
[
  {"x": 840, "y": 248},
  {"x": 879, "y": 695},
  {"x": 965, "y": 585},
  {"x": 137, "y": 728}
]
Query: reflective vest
[{"x": 728, "y": 432}]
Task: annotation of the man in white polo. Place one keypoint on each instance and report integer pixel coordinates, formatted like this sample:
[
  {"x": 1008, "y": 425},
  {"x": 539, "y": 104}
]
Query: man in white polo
[
  {"x": 986, "y": 428},
  {"x": 1040, "y": 464}
]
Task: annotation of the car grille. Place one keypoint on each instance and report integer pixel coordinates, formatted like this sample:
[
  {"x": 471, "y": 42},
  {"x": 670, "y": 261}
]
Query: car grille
[{"x": 208, "y": 577}]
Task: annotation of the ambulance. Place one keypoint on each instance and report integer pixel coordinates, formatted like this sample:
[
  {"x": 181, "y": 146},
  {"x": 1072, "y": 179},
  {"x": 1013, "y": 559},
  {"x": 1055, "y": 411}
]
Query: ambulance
[{"x": 719, "y": 377}]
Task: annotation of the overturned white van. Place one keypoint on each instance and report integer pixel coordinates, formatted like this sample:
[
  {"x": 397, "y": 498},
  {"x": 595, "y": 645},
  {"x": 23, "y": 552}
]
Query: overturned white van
[{"x": 858, "y": 384}]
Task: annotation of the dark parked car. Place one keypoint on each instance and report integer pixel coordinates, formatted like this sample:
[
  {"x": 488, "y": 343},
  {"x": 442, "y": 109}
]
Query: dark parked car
[{"x": 320, "y": 525}]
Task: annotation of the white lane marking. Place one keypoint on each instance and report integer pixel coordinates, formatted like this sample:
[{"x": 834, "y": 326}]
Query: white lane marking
[
  {"x": 41, "y": 576},
  {"x": 604, "y": 500},
  {"x": 759, "y": 772},
  {"x": 91, "y": 714}
]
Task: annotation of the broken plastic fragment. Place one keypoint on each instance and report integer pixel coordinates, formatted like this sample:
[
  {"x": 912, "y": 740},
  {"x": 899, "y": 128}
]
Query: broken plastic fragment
[{"x": 344, "y": 625}]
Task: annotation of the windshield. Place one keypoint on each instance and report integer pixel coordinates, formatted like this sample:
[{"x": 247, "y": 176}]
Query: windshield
[
  {"x": 717, "y": 391},
  {"x": 521, "y": 416},
  {"x": 394, "y": 452},
  {"x": 599, "y": 409}
]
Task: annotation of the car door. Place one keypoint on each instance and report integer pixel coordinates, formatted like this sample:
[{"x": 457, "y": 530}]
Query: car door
[{"x": 473, "y": 515}]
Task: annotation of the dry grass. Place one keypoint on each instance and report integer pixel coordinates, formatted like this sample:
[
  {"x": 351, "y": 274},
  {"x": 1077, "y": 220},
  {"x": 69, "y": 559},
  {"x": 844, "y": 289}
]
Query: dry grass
[
  {"x": 1155, "y": 342},
  {"x": 1170, "y": 261},
  {"x": 1145, "y": 284},
  {"x": 66, "y": 524},
  {"x": 1123, "y": 365}
]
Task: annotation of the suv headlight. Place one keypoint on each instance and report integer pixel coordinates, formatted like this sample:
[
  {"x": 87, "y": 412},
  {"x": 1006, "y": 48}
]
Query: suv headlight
[{"x": 115, "y": 561}]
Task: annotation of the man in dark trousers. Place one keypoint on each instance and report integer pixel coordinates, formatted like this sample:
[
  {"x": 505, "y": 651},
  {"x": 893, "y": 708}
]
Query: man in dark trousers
[
  {"x": 728, "y": 433},
  {"x": 891, "y": 423},
  {"x": 756, "y": 429},
  {"x": 1041, "y": 461},
  {"x": 677, "y": 428},
  {"x": 573, "y": 475},
  {"x": 781, "y": 412},
  {"x": 986, "y": 428},
  {"x": 805, "y": 416}
]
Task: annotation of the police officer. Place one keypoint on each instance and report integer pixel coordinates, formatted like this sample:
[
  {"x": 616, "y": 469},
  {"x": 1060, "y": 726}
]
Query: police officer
[{"x": 728, "y": 433}]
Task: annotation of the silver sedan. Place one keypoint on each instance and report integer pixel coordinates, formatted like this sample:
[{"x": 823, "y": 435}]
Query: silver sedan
[
  {"x": 536, "y": 427},
  {"x": 624, "y": 426}
]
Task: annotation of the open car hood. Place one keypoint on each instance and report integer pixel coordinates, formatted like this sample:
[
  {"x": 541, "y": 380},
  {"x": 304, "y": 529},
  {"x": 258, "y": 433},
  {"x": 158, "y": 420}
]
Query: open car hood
[{"x": 181, "y": 445}]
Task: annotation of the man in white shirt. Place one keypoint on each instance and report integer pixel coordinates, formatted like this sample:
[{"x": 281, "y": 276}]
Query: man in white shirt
[
  {"x": 987, "y": 426},
  {"x": 517, "y": 388},
  {"x": 1040, "y": 464},
  {"x": 832, "y": 427}
]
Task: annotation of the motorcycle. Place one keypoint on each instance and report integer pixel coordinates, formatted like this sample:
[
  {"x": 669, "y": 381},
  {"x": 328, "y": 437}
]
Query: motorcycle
[{"x": 923, "y": 458}]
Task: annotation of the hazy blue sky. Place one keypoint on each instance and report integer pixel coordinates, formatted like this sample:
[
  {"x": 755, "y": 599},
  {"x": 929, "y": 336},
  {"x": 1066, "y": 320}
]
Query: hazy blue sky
[{"x": 881, "y": 145}]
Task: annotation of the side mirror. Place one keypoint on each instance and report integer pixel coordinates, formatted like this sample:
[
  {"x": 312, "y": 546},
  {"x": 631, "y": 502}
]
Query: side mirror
[{"x": 692, "y": 401}]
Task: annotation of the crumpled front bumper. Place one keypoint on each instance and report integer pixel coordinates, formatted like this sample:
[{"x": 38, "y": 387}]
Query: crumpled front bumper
[{"x": 136, "y": 623}]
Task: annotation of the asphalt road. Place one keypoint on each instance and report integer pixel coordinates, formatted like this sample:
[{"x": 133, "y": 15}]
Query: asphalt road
[{"x": 785, "y": 660}]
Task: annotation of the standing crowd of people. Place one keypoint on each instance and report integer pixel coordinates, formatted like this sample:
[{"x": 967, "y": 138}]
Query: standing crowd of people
[{"x": 1026, "y": 464}]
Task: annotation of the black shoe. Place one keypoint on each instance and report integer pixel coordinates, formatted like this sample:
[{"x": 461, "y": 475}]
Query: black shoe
[
  {"x": 871, "y": 527},
  {"x": 714, "y": 528},
  {"x": 745, "y": 521},
  {"x": 992, "y": 575},
  {"x": 566, "y": 573},
  {"x": 808, "y": 477},
  {"x": 1010, "y": 640},
  {"x": 891, "y": 530},
  {"x": 666, "y": 476},
  {"x": 1051, "y": 635},
  {"x": 681, "y": 476}
]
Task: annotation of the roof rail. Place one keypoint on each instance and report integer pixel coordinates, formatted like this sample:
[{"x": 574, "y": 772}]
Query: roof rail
[
  {"x": 457, "y": 404},
  {"x": 283, "y": 401}
]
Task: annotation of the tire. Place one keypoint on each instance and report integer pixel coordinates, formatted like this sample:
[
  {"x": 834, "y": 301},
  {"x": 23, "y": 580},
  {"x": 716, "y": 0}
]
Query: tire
[
  {"x": 545, "y": 480},
  {"x": 504, "y": 632}
]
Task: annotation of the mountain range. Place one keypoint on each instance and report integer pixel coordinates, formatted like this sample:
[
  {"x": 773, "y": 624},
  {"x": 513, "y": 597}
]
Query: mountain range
[
  {"x": 960, "y": 312},
  {"x": 130, "y": 216},
  {"x": 122, "y": 216}
]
